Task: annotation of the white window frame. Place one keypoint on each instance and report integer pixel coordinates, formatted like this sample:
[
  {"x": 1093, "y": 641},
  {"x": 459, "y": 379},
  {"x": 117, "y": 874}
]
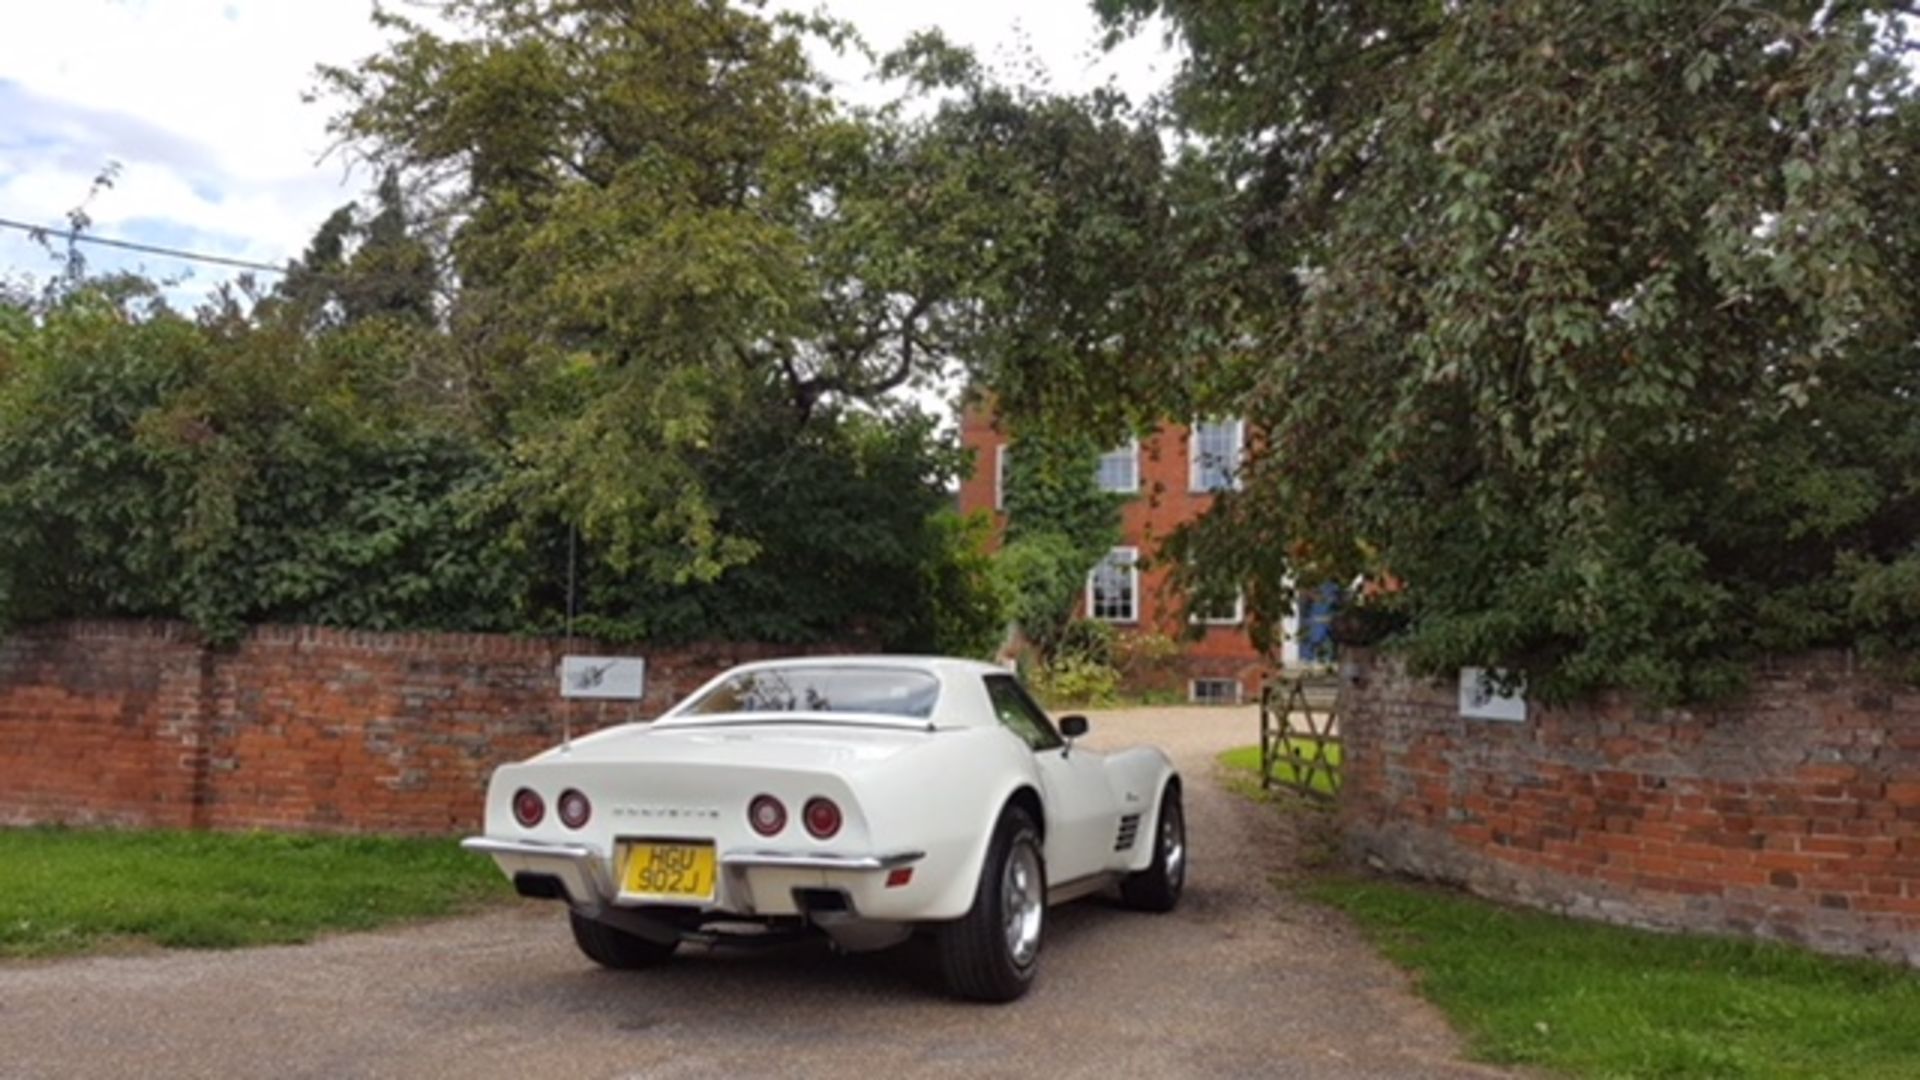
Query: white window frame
[
  {"x": 1131, "y": 448},
  {"x": 1000, "y": 476},
  {"x": 1193, "y": 456},
  {"x": 1132, "y": 556},
  {"x": 1193, "y": 691},
  {"x": 1239, "y": 612}
]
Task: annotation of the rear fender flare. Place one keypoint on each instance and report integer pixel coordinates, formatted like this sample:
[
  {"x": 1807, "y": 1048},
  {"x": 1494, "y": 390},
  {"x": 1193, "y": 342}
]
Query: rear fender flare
[{"x": 1024, "y": 792}]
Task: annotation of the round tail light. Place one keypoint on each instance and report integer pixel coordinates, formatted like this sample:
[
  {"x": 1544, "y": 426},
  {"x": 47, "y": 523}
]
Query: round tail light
[
  {"x": 766, "y": 815},
  {"x": 574, "y": 809},
  {"x": 528, "y": 807},
  {"x": 822, "y": 818}
]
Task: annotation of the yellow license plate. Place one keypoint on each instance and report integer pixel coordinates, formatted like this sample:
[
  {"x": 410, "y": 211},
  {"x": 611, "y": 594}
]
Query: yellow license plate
[{"x": 669, "y": 871}]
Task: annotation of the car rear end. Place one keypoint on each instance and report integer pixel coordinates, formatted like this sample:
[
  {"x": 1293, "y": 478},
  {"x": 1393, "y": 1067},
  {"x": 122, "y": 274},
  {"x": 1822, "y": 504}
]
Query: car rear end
[{"x": 706, "y": 825}]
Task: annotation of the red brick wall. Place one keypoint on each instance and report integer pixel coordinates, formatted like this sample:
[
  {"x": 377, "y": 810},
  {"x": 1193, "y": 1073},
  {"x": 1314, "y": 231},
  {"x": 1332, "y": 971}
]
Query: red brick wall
[
  {"x": 101, "y": 724},
  {"x": 1163, "y": 505},
  {"x": 1793, "y": 813},
  {"x": 295, "y": 728}
]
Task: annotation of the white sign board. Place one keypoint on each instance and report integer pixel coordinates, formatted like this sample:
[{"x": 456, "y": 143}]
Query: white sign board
[
  {"x": 1481, "y": 699},
  {"x": 608, "y": 678}
]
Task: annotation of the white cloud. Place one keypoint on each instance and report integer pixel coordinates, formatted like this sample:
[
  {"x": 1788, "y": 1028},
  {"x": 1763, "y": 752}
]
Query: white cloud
[
  {"x": 201, "y": 103},
  {"x": 223, "y": 75}
]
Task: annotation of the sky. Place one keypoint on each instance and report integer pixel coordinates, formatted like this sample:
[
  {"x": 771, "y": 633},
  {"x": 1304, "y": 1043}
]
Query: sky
[{"x": 200, "y": 104}]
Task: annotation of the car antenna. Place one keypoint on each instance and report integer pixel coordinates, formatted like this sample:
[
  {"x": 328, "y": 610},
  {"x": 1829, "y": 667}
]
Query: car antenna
[{"x": 566, "y": 708}]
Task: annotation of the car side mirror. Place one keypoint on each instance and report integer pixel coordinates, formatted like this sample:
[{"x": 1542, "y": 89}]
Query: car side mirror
[{"x": 1073, "y": 726}]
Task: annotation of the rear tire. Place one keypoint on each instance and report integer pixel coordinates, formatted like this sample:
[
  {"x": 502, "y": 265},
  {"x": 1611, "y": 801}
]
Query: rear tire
[
  {"x": 992, "y": 952},
  {"x": 611, "y": 947},
  {"x": 1158, "y": 887}
]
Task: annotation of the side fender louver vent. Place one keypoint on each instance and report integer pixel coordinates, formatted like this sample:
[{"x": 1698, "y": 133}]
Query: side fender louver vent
[{"x": 1129, "y": 829}]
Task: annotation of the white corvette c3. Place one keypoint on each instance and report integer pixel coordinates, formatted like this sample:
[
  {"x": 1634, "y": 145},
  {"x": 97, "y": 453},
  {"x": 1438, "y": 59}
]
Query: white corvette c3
[{"x": 867, "y": 798}]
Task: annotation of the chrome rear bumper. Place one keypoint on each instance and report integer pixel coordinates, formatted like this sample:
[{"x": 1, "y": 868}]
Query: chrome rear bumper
[
  {"x": 487, "y": 845},
  {"x": 578, "y": 867},
  {"x": 813, "y": 861},
  {"x": 584, "y": 872}
]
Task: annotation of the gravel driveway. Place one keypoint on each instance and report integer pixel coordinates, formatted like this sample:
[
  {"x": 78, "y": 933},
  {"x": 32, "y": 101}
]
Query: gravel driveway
[{"x": 1240, "y": 981}]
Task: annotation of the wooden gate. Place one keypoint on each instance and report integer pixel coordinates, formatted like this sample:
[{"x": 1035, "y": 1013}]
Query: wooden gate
[{"x": 1300, "y": 737}]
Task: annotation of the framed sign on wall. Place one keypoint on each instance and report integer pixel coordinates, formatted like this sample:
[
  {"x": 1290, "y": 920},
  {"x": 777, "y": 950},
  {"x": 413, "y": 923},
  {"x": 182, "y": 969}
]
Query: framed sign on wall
[
  {"x": 603, "y": 678},
  {"x": 1482, "y": 697}
]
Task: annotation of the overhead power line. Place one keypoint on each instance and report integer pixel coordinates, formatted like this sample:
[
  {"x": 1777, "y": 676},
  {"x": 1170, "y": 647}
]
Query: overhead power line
[{"x": 75, "y": 236}]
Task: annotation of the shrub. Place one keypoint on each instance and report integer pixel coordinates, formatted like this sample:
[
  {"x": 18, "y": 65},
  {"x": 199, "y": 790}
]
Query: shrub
[
  {"x": 1088, "y": 641},
  {"x": 1072, "y": 680},
  {"x": 1145, "y": 659}
]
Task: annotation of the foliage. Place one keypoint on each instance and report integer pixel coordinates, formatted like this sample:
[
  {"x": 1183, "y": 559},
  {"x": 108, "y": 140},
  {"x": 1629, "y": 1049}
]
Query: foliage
[
  {"x": 967, "y": 611},
  {"x": 1145, "y": 658},
  {"x": 231, "y": 471},
  {"x": 1590, "y": 325},
  {"x": 660, "y": 221},
  {"x": 628, "y": 230},
  {"x": 1059, "y": 525},
  {"x": 378, "y": 268},
  {"x": 1041, "y": 578},
  {"x": 625, "y": 310},
  {"x": 1091, "y": 663},
  {"x": 1070, "y": 680},
  {"x": 853, "y": 537},
  {"x": 1089, "y": 640},
  {"x": 1056, "y": 209},
  {"x": 72, "y": 890},
  {"x": 229, "y": 475},
  {"x": 1577, "y": 998},
  {"x": 1053, "y": 490},
  {"x": 15, "y": 324},
  {"x": 73, "y": 483}
]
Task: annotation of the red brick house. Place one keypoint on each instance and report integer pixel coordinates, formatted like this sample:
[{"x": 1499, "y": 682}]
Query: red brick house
[{"x": 1169, "y": 478}]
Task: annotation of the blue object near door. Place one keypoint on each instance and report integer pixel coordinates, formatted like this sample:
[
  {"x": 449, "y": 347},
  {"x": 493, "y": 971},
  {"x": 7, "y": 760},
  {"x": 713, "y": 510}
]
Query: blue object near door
[{"x": 1316, "y": 623}]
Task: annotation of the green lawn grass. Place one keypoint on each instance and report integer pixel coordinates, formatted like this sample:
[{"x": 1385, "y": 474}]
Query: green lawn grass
[
  {"x": 67, "y": 890},
  {"x": 1582, "y": 999},
  {"x": 1246, "y": 759}
]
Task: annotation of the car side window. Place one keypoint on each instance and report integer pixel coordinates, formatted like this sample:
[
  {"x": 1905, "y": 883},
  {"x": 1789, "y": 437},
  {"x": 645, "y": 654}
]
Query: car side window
[{"x": 1018, "y": 713}]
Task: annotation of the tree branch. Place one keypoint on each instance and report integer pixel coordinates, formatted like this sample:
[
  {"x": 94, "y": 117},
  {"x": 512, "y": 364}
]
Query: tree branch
[{"x": 901, "y": 371}]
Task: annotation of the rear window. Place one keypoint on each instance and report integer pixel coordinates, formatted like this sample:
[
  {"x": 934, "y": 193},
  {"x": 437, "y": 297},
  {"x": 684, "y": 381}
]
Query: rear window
[{"x": 872, "y": 690}]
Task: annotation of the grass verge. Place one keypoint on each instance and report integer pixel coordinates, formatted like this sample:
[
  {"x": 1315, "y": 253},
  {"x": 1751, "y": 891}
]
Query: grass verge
[
  {"x": 1246, "y": 759},
  {"x": 1583, "y": 999},
  {"x": 67, "y": 890}
]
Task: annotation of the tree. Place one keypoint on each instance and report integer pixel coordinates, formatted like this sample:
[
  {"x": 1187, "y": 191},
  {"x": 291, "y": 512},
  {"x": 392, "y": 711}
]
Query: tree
[
  {"x": 855, "y": 543},
  {"x": 1054, "y": 215},
  {"x": 659, "y": 218},
  {"x": 392, "y": 274},
  {"x": 355, "y": 269},
  {"x": 631, "y": 298},
  {"x": 1589, "y": 324},
  {"x": 635, "y": 196}
]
